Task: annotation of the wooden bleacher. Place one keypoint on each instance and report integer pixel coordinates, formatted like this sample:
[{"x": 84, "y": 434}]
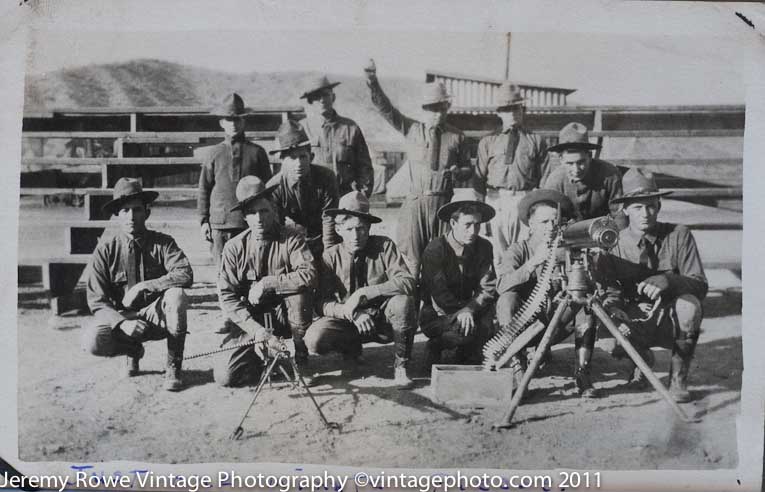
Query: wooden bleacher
[{"x": 83, "y": 151}]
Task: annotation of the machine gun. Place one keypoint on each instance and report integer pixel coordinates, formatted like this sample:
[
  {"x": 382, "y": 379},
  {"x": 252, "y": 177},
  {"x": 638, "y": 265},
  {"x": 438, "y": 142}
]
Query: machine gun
[{"x": 581, "y": 241}]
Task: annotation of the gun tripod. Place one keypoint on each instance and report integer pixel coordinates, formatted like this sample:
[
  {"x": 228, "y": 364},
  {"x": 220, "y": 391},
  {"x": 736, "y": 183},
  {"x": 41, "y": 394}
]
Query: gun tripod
[
  {"x": 297, "y": 380},
  {"x": 583, "y": 297}
]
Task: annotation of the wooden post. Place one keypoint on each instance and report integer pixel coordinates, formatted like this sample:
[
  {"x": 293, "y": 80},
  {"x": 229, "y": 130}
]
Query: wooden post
[
  {"x": 133, "y": 122},
  {"x": 597, "y": 122}
]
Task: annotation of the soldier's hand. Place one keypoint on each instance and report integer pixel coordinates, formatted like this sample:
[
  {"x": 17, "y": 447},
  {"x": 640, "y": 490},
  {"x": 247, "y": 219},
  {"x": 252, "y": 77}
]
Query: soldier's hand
[
  {"x": 466, "y": 321},
  {"x": 364, "y": 323},
  {"x": 134, "y": 328},
  {"x": 619, "y": 315},
  {"x": 132, "y": 294},
  {"x": 206, "y": 232},
  {"x": 540, "y": 256},
  {"x": 371, "y": 68},
  {"x": 353, "y": 302},
  {"x": 653, "y": 287},
  {"x": 257, "y": 293}
]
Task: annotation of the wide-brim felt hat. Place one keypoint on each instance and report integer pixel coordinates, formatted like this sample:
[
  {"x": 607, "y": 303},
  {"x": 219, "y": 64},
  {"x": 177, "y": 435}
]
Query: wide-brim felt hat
[
  {"x": 251, "y": 188},
  {"x": 509, "y": 96},
  {"x": 126, "y": 189},
  {"x": 434, "y": 93},
  {"x": 231, "y": 107},
  {"x": 638, "y": 185},
  {"x": 318, "y": 84},
  {"x": 552, "y": 196},
  {"x": 354, "y": 203},
  {"x": 466, "y": 197},
  {"x": 573, "y": 136},
  {"x": 290, "y": 135}
]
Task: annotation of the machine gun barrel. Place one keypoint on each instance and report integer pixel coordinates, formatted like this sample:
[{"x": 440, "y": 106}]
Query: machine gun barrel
[{"x": 600, "y": 232}]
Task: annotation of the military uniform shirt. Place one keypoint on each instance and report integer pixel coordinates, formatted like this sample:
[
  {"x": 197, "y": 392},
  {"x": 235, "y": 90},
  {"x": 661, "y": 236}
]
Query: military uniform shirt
[
  {"x": 222, "y": 168},
  {"x": 379, "y": 267},
  {"x": 281, "y": 261},
  {"x": 456, "y": 277},
  {"x": 163, "y": 265},
  {"x": 592, "y": 195},
  {"x": 501, "y": 167}
]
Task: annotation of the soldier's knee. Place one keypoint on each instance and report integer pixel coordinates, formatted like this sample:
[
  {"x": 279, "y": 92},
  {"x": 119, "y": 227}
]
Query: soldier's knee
[
  {"x": 507, "y": 305},
  {"x": 299, "y": 311},
  {"x": 175, "y": 298},
  {"x": 401, "y": 309},
  {"x": 97, "y": 339},
  {"x": 689, "y": 312}
]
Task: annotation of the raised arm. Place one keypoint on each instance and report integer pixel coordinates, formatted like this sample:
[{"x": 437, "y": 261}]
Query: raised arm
[{"x": 393, "y": 116}]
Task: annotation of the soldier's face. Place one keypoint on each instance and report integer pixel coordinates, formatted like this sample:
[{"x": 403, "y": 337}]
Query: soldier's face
[
  {"x": 465, "y": 228},
  {"x": 577, "y": 163},
  {"x": 297, "y": 163},
  {"x": 643, "y": 214},
  {"x": 324, "y": 100},
  {"x": 543, "y": 220},
  {"x": 434, "y": 114},
  {"x": 260, "y": 216},
  {"x": 132, "y": 216},
  {"x": 354, "y": 231},
  {"x": 231, "y": 126},
  {"x": 511, "y": 116}
]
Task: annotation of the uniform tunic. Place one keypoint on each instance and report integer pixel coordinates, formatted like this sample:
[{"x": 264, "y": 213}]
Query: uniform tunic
[
  {"x": 437, "y": 157},
  {"x": 343, "y": 149},
  {"x": 590, "y": 196},
  {"x": 304, "y": 203}
]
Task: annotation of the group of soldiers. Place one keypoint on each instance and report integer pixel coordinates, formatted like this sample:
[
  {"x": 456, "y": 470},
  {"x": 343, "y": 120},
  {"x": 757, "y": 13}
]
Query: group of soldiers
[{"x": 296, "y": 258}]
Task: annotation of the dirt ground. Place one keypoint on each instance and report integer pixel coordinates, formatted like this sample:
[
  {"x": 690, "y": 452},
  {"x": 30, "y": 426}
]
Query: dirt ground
[{"x": 76, "y": 408}]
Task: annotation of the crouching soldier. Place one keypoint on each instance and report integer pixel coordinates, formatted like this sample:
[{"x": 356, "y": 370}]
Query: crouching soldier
[
  {"x": 518, "y": 275},
  {"x": 655, "y": 260},
  {"x": 264, "y": 284},
  {"x": 135, "y": 283},
  {"x": 460, "y": 284},
  {"x": 367, "y": 291}
]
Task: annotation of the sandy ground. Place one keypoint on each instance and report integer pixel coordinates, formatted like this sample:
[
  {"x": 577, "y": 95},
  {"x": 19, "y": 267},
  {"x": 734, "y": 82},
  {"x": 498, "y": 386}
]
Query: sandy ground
[{"x": 76, "y": 408}]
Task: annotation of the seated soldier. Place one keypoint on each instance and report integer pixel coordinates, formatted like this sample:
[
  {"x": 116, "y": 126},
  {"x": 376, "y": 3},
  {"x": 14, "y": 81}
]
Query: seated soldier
[
  {"x": 304, "y": 191},
  {"x": 520, "y": 267},
  {"x": 366, "y": 289},
  {"x": 135, "y": 283},
  {"x": 655, "y": 260},
  {"x": 264, "y": 284},
  {"x": 459, "y": 284}
]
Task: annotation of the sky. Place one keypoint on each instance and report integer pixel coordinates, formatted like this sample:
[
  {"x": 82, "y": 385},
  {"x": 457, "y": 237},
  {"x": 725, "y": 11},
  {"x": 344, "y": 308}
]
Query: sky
[{"x": 604, "y": 68}]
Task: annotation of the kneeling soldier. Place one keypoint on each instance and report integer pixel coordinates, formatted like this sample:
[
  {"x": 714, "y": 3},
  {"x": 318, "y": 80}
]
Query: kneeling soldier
[
  {"x": 460, "y": 285},
  {"x": 656, "y": 260},
  {"x": 367, "y": 291},
  {"x": 518, "y": 274},
  {"x": 267, "y": 272},
  {"x": 135, "y": 283}
]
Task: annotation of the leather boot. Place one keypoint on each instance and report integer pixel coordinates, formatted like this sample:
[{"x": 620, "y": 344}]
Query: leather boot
[
  {"x": 582, "y": 374},
  {"x": 682, "y": 354},
  {"x": 173, "y": 381},
  {"x": 399, "y": 374},
  {"x": 132, "y": 368},
  {"x": 432, "y": 352}
]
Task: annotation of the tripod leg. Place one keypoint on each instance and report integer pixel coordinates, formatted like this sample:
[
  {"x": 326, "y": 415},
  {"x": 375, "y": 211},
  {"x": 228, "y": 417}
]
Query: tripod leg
[
  {"x": 266, "y": 377},
  {"x": 538, "y": 354},
  {"x": 299, "y": 377},
  {"x": 603, "y": 316}
]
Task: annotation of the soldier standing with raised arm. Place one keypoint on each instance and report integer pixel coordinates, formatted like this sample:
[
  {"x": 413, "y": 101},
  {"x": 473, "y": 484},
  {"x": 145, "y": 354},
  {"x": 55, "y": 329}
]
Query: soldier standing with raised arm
[{"x": 437, "y": 155}]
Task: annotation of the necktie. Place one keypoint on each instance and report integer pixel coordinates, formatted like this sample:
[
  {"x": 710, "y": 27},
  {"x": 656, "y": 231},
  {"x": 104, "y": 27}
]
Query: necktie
[
  {"x": 262, "y": 258},
  {"x": 134, "y": 263},
  {"x": 357, "y": 273},
  {"x": 434, "y": 143},
  {"x": 236, "y": 156},
  {"x": 512, "y": 145},
  {"x": 648, "y": 257}
]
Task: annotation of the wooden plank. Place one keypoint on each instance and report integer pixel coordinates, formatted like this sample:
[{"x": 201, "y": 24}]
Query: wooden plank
[
  {"x": 182, "y": 110},
  {"x": 82, "y": 259},
  {"x": 729, "y": 192},
  {"x": 735, "y": 108},
  {"x": 102, "y": 191},
  {"x": 109, "y": 161},
  {"x": 679, "y": 133},
  {"x": 170, "y": 136}
]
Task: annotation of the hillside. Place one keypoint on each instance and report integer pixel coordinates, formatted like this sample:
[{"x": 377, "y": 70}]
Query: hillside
[{"x": 159, "y": 83}]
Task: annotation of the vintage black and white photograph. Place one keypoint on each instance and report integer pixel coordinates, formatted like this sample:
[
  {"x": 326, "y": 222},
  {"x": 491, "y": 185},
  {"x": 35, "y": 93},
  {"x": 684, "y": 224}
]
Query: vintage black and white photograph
[{"x": 390, "y": 247}]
